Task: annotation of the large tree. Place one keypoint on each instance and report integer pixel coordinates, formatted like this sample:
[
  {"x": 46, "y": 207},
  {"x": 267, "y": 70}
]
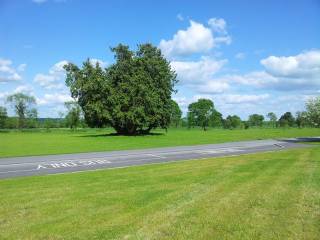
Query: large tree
[
  {"x": 22, "y": 105},
  {"x": 133, "y": 95},
  {"x": 256, "y": 120},
  {"x": 313, "y": 111},
  {"x": 199, "y": 112}
]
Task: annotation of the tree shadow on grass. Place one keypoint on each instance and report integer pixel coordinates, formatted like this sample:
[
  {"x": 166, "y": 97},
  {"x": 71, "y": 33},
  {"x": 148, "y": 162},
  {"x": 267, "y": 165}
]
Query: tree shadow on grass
[
  {"x": 303, "y": 139},
  {"x": 121, "y": 135}
]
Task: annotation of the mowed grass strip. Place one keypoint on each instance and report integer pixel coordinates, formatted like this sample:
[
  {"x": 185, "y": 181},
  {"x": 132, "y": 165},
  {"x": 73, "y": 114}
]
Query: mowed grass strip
[
  {"x": 58, "y": 141},
  {"x": 258, "y": 196}
]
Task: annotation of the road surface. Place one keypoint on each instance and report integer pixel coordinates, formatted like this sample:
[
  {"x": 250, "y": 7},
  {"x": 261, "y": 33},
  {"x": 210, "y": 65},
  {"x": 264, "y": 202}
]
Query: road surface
[{"x": 53, "y": 164}]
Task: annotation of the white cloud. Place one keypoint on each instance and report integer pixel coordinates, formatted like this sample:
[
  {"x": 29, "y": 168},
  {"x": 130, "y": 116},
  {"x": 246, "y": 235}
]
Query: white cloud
[
  {"x": 300, "y": 72},
  {"x": 27, "y": 89},
  {"x": 213, "y": 86},
  {"x": 255, "y": 79},
  {"x": 53, "y": 99},
  {"x": 54, "y": 79},
  {"x": 306, "y": 65},
  {"x": 218, "y": 25},
  {"x": 197, "y": 71},
  {"x": 236, "y": 98},
  {"x": 22, "y": 67},
  {"x": 7, "y": 72},
  {"x": 196, "y": 39}
]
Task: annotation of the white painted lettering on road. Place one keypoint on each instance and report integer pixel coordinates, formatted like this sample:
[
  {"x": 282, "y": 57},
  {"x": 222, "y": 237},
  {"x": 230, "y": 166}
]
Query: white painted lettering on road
[
  {"x": 73, "y": 163},
  {"x": 41, "y": 166}
]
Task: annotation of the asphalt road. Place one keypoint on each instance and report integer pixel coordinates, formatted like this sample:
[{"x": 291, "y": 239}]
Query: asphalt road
[{"x": 53, "y": 164}]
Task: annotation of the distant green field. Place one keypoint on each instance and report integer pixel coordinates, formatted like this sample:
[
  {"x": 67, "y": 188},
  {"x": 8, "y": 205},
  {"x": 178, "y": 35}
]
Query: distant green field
[
  {"x": 65, "y": 141},
  {"x": 259, "y": 196}
]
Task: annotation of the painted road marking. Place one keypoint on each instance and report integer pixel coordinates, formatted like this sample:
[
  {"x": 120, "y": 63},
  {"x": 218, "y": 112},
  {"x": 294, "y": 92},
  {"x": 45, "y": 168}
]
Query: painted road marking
[
  {"x": 74, "y": 163},
  {"x": 154, "y": 155},
  {"x": 221, "y": 150}
]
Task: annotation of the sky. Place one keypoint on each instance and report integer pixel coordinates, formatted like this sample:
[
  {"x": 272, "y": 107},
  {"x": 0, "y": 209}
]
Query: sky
[{"x": 246, "y": 56}]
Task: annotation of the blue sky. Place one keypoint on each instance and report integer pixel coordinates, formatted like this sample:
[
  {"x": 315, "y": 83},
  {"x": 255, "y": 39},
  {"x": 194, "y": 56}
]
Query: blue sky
[{"x": 247, "y": 56}]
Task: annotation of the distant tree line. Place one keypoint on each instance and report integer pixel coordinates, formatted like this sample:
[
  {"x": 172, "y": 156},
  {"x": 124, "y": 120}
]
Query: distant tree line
[{"x": 201, "y": 113}]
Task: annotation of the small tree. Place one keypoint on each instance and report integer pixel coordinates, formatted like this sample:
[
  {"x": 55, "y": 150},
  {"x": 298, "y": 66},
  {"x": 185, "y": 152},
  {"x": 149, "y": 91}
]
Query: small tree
[
  {"x": 73, "y": 115},
  {"x": 175, "y": 114},
  {"x": 3, "y": 117},
  {"x": 200, "y": 112},
  {"x": 216, "y": 119},
  {"x": 286, "y": 120},
  {"x": 313, "y": 111},
  {"x": 32, "y": 116},
  {"x": 232, "y": 122},
  {"x": 256, "y": 120},
  {"x": 272, "y": 118},
  {"x": 22, "y": 104},
  {"x": 301, "y": 119}
]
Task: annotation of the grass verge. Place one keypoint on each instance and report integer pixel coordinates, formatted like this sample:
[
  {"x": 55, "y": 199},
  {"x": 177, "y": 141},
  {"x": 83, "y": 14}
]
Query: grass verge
[
  {"x": 57, "y": 142},
  {"x": 259, "y": 196}
]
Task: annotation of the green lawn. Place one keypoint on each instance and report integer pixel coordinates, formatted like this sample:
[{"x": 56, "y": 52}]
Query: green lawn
[
  {"x": 64, "y": 141},
  {"x": 258, "y": 196}
]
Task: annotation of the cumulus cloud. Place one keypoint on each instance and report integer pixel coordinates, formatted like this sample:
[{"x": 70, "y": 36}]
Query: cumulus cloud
[
  {"x": 300, "y": 72},
  {"x": 237, "y": 98},
  {"x": 213, "y": 86},
  {"x": 306, "y": 65},
  {"x": 54, "y": 79},
  {"x": 54, "y": 98},
  {"x": 26, "y": 89},
  {"x": 218, "y": 24},
  {"x": 7, "y": 72},
  {"x": 197, "y": 71},
  {"x": 197, "y": 38}
]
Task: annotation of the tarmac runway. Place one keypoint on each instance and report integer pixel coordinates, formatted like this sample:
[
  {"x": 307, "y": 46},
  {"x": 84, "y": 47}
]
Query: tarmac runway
[{"x": 53, "y": 164}]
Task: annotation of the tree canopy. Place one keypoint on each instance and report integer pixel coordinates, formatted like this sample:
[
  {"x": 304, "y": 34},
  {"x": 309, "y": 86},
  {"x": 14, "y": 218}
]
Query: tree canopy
[
  {"x": 256, "y": 120},
  {"x": 232, "y": 122},
  {"x": 175, "y": 114},
  {"x": 287, "y": 120},
  {"x": 199, "y": 112},
  {"x": 313, "y": 111},
  {"x": 133, "y": 95},
  {"x": 22, "y": 105}
]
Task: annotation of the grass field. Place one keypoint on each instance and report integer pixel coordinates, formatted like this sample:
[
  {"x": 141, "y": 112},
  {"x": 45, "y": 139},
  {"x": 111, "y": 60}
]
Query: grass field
[
  {"x": 65, "y": 141},
  {"x": 258, "y": 196}
]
